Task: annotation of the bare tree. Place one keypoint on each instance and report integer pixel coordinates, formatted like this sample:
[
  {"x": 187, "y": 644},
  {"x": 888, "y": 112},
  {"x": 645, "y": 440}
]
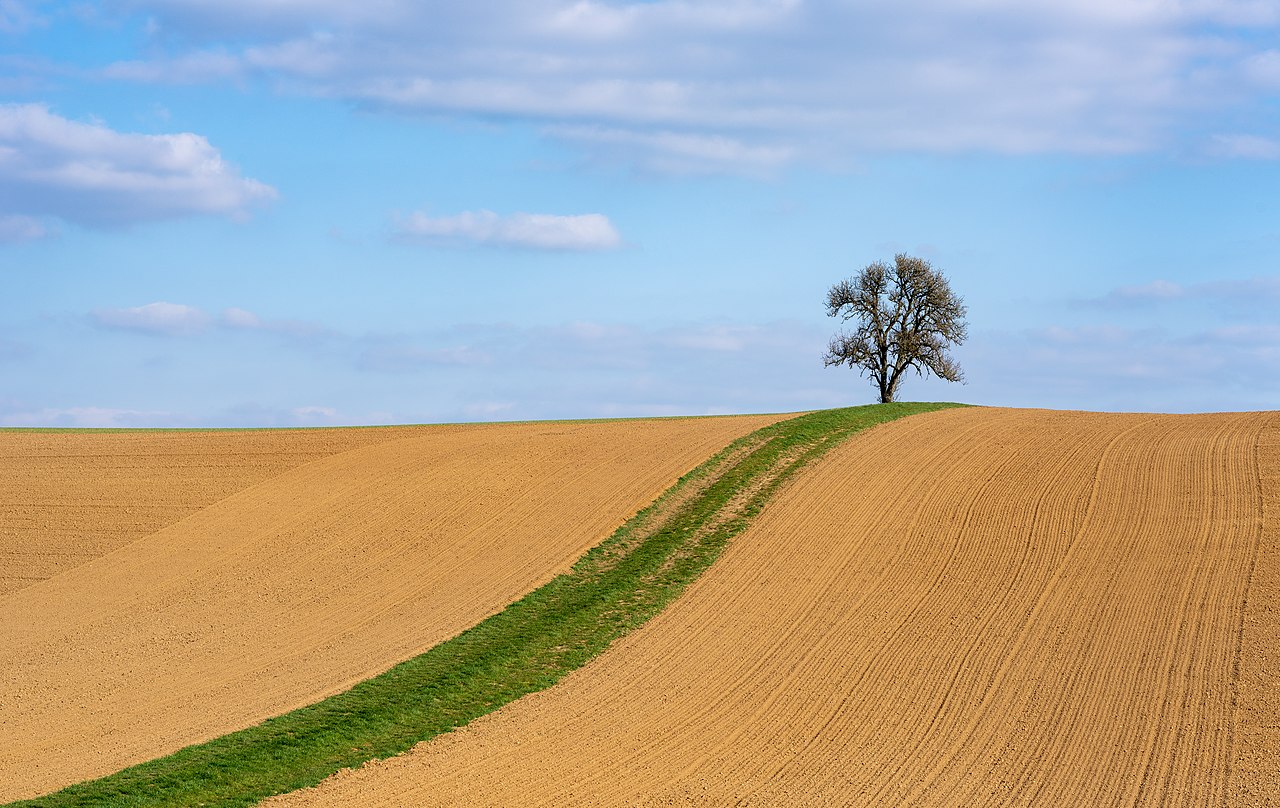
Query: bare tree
[{"x": 907, "y": 317}]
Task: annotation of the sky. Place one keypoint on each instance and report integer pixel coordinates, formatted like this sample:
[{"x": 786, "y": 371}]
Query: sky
[{"x": 316, "y": 212}]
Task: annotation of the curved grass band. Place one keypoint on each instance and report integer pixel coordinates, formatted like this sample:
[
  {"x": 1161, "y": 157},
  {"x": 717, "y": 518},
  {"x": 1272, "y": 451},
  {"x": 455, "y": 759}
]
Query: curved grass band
[{"x": 529, "y": 646}]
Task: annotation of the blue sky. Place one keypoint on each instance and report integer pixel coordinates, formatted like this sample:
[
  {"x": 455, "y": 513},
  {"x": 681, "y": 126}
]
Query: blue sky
[{"x": 314, "y": 212}]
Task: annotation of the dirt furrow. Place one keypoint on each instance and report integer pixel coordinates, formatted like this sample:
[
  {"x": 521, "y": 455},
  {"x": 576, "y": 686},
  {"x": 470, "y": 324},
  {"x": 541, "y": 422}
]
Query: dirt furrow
[
  {"x": 969, "y": 607},
  {"x": 322, "y": 576},
  {"x": 1254, "y": 779}
]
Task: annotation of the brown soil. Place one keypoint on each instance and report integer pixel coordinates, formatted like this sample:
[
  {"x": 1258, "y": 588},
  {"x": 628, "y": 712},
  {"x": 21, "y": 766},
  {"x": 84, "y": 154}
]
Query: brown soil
[
  {"x": 67, "y": 497},
  {"x": 1255, "y": 773},
  {"x": 972, "y": 607},
  {"x": 299, "y": 586}
]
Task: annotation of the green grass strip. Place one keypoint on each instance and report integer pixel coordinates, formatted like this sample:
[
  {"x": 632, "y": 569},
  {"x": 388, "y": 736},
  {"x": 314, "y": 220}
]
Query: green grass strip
[{"x": 527, "y": 647}]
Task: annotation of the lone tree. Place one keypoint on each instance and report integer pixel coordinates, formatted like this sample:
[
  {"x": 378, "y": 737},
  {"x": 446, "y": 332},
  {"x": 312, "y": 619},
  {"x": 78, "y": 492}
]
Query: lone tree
[{"x": 907, "y": 316}]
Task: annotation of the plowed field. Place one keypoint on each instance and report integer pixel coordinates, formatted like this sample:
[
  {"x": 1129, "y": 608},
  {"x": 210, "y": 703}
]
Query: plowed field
[
  {"x": 67, "y": 497},
  {"x": 298, "y": 586},
  {"x": 972, "y": 607}
]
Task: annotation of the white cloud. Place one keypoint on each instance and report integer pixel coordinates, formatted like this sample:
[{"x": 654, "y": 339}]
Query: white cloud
[
  {"x": 90, "y": 174},
  {"x": 240, "y": 318},
  {"x": 16, "y": 228},
  {"x": 541, "y": 231},
  {"x": 737, "y": 85},
  {"x": 173, "y": 319}
]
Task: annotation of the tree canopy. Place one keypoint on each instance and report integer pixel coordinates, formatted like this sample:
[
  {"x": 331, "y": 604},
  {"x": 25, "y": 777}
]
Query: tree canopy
[{"x": 907, "y": 317}]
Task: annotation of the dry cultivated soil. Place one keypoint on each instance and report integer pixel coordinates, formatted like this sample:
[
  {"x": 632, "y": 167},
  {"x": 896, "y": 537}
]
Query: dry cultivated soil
[
  {"x": 973, "y": 607},
  {"x": 165, "y": 588},
  {"x": 67, "y": 497}
]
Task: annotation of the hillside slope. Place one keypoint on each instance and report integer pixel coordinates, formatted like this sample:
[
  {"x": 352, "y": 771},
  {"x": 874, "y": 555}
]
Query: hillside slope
[
  {"x": 970, "y": 607},
  {"x": 69, "y": 497},
  {"x": 295, "y": 588}
]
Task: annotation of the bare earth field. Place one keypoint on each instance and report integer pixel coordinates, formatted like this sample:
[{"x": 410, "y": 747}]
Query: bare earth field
[
  {"x": 270, "y": 582},
  {"x": 67, "y": 497},
  {"x": 972, "y": 607}
]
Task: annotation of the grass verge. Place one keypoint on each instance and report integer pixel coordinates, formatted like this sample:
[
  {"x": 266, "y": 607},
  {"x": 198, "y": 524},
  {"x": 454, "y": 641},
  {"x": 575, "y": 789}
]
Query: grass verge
[{"x": 527, "y": 647}]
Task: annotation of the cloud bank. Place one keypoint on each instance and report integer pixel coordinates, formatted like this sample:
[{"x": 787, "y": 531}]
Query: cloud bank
[{"x": 739, "y": 84}]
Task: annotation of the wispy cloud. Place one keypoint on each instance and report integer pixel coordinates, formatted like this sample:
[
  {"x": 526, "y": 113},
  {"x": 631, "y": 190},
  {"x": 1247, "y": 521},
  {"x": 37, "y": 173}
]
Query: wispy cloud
[
  {"x": 240, "y": 415},
  {"x": 198, "y": 67},
  {"x": 741, "y": 85},
  {"x": 592, "y": 368},
  {"x": 17, "y": 16},
  {"x": 82, "y": 417},
  {"x": 678, "y": 152},
  {"x": 399, "y": 355},
  {"x": 1249, "y": 147},
  {"x": 1266, "y": 337},
  {"x": 13, "y": 349},
  {"x": 1264, "y": 68},
  {"x": 1119, "y": 367},
  {"x": 171, "y": 319},
  {"x": 1145, "y": 293},
  {"x": 608, "y": 369},
  {"x": 1261, "y": 290},
  {"x": 181, "y": 320},
  {"x": 244, "y": 320},
  {"x": 92, "y": 175},
  {"x": 15, "y": 229},
  {"x": 1238, "y": 356},
  {"x": 313, "y": 415},
  {"x": 539, "y": 231}
]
